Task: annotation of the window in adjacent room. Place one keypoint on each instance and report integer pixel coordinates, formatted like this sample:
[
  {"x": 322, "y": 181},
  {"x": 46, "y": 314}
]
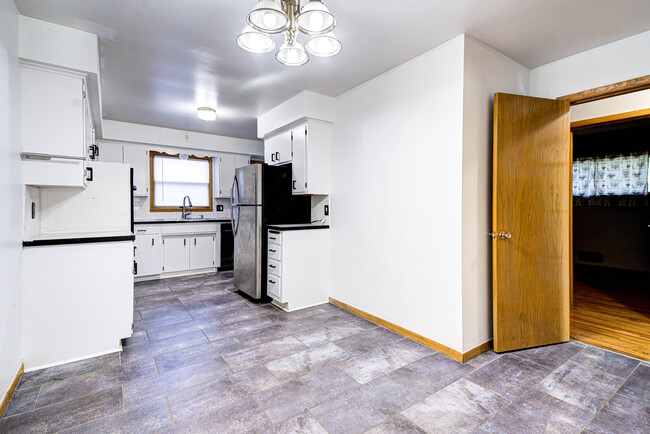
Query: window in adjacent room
[{"x": 175, "y": 176}]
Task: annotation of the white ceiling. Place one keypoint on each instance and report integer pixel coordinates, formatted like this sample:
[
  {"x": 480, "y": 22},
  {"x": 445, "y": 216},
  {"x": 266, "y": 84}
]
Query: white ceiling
[{"x": 160, "y": 59}]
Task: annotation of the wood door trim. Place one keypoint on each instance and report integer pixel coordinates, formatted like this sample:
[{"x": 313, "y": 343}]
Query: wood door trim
[
  {"x": 610, "y": 119},
  {"x": 607, "y": 91},
  {"x": 457, "y": 355},
  {"x": 5, "y": 400},
  {"x": 152, "y": 202}
]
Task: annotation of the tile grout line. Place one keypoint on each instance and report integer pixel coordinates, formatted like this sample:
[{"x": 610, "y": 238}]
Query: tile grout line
[
  {"x": 171, "y": 413},
  {"x": 530, "y": 388},
  {"x": 610, "y": 398}
]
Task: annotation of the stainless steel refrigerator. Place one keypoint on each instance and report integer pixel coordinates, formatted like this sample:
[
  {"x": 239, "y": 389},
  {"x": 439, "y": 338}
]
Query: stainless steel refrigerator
[{"x": 261, "y": 195}]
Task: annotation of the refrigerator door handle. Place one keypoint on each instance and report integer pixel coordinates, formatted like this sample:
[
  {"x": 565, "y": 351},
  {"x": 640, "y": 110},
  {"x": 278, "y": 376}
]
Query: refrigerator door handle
[{"x": 233, "y": 205}]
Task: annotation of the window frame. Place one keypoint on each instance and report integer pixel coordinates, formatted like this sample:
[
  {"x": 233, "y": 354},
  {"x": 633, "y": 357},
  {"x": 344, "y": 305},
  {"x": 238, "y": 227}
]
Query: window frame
[{"x": 152, "y": 191}]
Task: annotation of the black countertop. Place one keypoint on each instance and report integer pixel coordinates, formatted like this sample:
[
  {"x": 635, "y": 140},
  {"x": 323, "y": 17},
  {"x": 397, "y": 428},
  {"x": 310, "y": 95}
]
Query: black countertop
[
  {"x": 167, "y": 221},
  {"x": 79, "y": 238},
  {"x": 297, "y": 227}
]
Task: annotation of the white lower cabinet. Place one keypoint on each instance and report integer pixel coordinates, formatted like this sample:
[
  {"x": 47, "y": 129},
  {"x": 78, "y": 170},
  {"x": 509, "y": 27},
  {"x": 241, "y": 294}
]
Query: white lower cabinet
[
  {"x": 202, "y": 251},
  {"x": 148, "y": 255},
  {"x": 298, "y": 267},
  {"x": 176, "y": 254}
]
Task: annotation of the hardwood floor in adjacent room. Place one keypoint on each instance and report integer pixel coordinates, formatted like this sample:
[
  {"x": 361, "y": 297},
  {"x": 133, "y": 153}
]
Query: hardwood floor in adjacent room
[{"x": 611, "y": 309}]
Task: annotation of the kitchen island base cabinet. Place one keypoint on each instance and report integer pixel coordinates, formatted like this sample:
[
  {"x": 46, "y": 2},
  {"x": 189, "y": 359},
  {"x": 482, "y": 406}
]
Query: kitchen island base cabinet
[
  {"x": 298, "y": 268},
  {"x": 77, "y": 302}
]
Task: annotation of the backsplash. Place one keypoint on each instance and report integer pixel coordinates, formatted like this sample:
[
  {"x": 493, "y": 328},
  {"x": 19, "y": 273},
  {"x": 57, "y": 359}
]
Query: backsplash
[{"x": 141, "y": 210}]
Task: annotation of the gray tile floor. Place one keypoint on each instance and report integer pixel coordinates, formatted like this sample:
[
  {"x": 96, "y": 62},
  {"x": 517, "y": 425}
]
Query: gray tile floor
[{"x": 204, "y": 359}]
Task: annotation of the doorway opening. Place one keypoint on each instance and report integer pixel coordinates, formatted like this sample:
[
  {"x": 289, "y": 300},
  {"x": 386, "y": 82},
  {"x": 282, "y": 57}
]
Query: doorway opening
[{"x": 611, "y": 235}]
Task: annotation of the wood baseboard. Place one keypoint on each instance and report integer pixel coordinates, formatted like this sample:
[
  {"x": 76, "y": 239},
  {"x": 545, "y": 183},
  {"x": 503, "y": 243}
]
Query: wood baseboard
[
  {"x": 461, "y": 357},
  {"x": 5, "y": 400}
]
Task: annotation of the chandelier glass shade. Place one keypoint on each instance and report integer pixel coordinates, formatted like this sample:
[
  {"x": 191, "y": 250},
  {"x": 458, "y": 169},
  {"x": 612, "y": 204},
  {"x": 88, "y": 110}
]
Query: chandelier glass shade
[
  {"x": 268, "y": 18},
  {"x": 255, "y": 42}
]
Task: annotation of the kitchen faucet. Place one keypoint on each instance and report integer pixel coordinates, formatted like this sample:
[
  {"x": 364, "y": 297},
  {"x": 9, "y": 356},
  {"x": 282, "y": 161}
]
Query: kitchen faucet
[{"x": 187, "y": 213}]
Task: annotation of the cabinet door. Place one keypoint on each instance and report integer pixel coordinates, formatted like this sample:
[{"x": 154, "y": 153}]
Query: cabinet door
[
  {"x": 226, "y": 176},
  {"x": 176, "y": 254},
  {"x": 299, "y": 163},
  {"x": 277, "y": 150},
  {"x": 138, "y": 158},
  {"x": 147, "y": 255},
  {"x": 52, "y": 110},
  {"x": 202, "y": 251}
]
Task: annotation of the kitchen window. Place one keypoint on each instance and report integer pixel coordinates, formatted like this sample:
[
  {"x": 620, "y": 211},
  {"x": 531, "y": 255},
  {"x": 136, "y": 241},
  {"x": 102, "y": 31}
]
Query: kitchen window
[{"x": 175, "y": 176}]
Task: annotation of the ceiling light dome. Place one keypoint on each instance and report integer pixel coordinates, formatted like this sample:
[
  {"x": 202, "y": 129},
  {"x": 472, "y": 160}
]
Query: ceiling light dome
[
  {"x": 255, "y": 42},
  {"x": 324, "y": 45},
  {"x": 292, "y": 54},
  {"x": 268, "y": 17},
  {"x": 207, "y": 113},
  {"x": 316, "y": 19}
]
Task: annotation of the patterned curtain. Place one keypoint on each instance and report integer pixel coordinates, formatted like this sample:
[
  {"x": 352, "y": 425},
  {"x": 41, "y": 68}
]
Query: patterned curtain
[
  {"x": 584, "y": 176},
  {"x": 622, "y": 175}
]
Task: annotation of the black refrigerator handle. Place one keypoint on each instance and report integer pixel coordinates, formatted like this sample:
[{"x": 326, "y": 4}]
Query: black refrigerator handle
[{"x": 233, "y": 205}]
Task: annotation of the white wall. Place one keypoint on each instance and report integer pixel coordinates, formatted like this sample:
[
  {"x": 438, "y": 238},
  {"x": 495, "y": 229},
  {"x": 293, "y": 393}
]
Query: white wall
[
  {"x": 610, "y": 106},
  {"x": 11, "y": 191},
  {"x": 611, "y": 63},
  {"x": 396, "y": 188},
  {"x": 486, "y": 72}
]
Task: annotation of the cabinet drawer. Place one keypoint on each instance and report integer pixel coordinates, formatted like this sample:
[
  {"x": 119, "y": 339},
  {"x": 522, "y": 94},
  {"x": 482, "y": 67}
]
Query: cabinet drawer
[
  {"x": 275, "y": 237},
  {"x": 274, "y": 288},
  {"x": 275, "y": 267},
  {"x": 146, "y": 230},
  {"x": 275, "y": 251}
]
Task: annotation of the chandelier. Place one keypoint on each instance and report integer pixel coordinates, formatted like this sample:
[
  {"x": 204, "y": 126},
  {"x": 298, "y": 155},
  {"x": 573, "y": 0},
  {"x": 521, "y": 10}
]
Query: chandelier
[{"x": 268, "y": 18}]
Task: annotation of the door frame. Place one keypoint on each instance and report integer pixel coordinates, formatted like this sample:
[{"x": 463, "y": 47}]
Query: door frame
[{"x": 577, "y": 125}]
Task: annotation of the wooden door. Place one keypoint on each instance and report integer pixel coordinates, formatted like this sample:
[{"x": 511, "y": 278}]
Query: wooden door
[{"x": 530, "y": 222}]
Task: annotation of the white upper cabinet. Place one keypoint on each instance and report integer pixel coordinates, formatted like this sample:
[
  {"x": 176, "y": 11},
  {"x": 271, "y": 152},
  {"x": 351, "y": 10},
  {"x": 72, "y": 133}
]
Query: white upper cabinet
[
  {"x": 138, "y": 158},
  {"x": 309, "y": 147},
  {"x": 299, "y": 168},
  {"x": 53, "y": 112},
  {"x": 224, "y": 173},
  {"x": 277, "y": 149}
]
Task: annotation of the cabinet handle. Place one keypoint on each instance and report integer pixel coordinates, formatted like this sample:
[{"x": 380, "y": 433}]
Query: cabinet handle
[
  {"x": 272, "y": 238},
  {"x": 195, "y": 241},
  {"x": 271, "y": 250},
  {"x": 152, "y": 241},
  {"x": 272, "y": 158},
  {"x": 277, "y": 156},
  {"x": 184, "y": 241},
  {"x": 294, "y": 184},
  {"x": 272, "y": 266},
  {"x": 270, "y": 281}
]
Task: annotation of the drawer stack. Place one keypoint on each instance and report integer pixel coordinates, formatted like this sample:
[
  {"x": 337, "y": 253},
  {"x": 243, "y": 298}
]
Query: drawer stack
[{"x": 274, "y": 279}]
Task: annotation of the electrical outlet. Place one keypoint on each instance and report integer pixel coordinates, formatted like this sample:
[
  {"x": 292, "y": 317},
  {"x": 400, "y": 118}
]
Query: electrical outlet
[
  {"x": 327, "y": 210},
  {"x": 219, "y": 207}
]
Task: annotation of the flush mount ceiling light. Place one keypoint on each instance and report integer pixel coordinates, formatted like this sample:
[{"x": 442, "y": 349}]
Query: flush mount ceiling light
[
  {"x": 206, "y": 113},
  {"x": 268, "y": 17}
]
